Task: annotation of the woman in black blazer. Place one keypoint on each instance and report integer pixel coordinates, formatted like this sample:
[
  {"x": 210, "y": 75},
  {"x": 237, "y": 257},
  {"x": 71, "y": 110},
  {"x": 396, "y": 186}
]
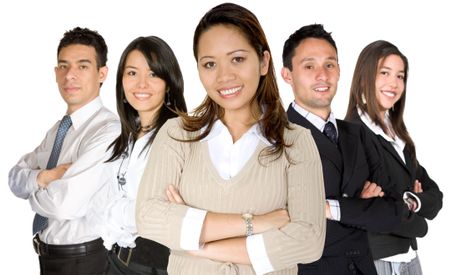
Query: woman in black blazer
[{"x": 377, "y": 101}]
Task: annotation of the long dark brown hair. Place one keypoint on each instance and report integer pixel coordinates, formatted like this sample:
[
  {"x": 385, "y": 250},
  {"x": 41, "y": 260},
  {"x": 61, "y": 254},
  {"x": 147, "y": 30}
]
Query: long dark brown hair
[
  {"x": 164, "y": 64},
  {"x": 363, "y": 91},
  {"x": 274, "y": 119}
]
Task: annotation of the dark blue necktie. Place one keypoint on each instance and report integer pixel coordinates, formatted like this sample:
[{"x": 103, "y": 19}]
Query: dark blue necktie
[
  {"x": 330, "y": 131},
  {"x": 40, "y": 222}
]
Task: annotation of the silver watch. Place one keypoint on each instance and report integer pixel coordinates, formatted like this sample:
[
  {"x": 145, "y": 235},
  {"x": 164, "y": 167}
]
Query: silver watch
[{"x": 248, "y": 219}]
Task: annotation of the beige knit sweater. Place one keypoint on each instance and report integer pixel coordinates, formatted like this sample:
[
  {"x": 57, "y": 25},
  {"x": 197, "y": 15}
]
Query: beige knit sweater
[{"x": 256, "y": 189}]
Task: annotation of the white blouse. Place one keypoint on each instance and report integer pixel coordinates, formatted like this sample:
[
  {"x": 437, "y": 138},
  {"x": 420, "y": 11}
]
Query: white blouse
[{"x": 120, "y": 212}]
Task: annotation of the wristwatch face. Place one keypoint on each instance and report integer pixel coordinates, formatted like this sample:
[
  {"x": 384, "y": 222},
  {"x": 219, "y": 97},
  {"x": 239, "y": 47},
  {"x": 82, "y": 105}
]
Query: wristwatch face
[{"x": 247, "y": 216}]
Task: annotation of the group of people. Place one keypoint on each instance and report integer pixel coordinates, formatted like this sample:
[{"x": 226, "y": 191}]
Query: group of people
[{"x": 238, "y": 185}]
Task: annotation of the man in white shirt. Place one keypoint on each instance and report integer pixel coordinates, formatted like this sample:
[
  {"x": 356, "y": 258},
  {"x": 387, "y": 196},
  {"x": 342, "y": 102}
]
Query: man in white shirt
[{"x": 69, "y": 195}]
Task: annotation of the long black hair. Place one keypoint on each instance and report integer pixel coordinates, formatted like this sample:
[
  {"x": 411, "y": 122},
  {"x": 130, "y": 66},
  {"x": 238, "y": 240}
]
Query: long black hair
[{"x": 164, "y": 64}]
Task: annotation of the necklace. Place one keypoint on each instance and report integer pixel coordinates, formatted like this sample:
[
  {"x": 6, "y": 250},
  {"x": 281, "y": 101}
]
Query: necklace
[{"x": 145, "y": 128}]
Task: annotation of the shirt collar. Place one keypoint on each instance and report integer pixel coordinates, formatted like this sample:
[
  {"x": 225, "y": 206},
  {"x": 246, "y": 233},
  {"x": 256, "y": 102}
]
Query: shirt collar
[
  {"x": 81, "y": 115},
  {"x": 219, "y": 129},
  {"x": 372, "y": 126},
  {"x": 142, "y": 139},
  {"x": 314, "y": 119},
  {"x": 378, "y": 130}
]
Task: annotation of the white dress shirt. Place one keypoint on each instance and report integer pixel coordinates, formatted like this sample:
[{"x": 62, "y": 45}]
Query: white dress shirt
[
  {"x": 121, "y": 209},
  {"x": 228, "y": 158},
  {"x": 73, "y": 204},
  {"x": 316, "y": 120}
]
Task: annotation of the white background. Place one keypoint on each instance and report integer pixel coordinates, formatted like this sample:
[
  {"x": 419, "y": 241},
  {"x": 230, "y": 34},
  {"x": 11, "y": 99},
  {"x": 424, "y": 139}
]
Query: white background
[{"x": 30, "y": 103}]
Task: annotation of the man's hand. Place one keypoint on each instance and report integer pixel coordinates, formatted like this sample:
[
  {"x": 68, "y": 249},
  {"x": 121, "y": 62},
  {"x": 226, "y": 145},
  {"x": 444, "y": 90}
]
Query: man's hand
[
  {"x": 371, "y": 190},
  {"x": 45, "y": 177},
  {"x": 328, "y": 211}
]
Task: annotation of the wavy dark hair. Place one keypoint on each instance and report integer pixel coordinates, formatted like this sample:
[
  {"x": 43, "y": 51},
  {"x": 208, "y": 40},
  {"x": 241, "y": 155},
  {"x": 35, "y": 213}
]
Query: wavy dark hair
[
  {"x": 274, "y": 119},
  {"x": 363, "y": 91},
  {"x": 164, "y": 64}
]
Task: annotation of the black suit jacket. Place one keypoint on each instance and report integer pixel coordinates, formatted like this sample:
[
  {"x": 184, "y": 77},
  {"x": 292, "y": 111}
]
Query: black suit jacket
[
  {"x": 346, "y": 167},
  {"x": 403, "y": 174}
]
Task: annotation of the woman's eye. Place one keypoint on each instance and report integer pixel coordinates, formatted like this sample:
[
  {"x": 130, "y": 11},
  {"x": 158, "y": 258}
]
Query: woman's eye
[
  {"x": 238, "y": 59},
  {"x": 209, "y": 65}
]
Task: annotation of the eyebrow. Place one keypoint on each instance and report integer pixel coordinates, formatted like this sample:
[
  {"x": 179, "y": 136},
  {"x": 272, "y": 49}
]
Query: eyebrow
[
  {"x": 78, "y": 61},
  {"x": 130, "y": 67},
  {"x": 306, "y": 59},
  {"x": 229, "y": 53},
  {"x": 136, "y": 68},
  {"x": 389, "y": 68}
]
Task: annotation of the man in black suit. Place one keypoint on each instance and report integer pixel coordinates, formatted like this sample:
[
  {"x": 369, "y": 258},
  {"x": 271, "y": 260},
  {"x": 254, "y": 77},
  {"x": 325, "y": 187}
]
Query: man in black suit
[{"x": 357, "y": 191}]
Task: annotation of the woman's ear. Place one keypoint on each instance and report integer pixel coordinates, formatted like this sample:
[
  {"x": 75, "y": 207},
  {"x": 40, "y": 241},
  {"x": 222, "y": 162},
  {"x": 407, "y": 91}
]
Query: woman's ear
[{"x": 265, "y": 63}]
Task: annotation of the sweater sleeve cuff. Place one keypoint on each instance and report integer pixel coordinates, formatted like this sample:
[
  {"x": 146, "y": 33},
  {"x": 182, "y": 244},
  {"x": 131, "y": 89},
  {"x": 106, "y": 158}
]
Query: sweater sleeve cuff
[
  {"x": 191, "y": 229},
  {"x": 258, "y": 255}
]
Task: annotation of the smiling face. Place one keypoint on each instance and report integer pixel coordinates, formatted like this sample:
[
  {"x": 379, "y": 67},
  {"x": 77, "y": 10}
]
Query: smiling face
[
  {"x": 314, "y": 75},
  {"x": 389, "y": 82},
  {"x": 77, "y": 75},
  {"x": 144, "y": 90},
  {"x": 229, "y": 68}
]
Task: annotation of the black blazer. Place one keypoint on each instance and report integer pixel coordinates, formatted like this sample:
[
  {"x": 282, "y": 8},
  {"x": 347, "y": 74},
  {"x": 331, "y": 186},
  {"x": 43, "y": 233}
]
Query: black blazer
[
  {"x": 346, "y": 167},
  {"x": 403, "y": 174}
]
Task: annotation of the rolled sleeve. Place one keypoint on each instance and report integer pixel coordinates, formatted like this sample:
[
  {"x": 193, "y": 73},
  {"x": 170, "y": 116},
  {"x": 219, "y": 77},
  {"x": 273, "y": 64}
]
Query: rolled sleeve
[
  {"x": 68, "y": 197},
  {"x": 191, "y": 229},
  {"x": 22, "y": 177},
  {"x": 258, "y": 255},
  {"x": 23, "y": 181}
]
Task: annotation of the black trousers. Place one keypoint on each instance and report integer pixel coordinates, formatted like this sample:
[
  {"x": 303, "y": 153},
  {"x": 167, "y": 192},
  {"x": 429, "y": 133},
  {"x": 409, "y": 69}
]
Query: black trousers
[
  {"x": 90, "y": 258},
  {"x": 337, "y": 266},
  {"x": 116, "y": 267},
  {"x": 94, "y": 264},
  {"x": 146, "y": 258}
]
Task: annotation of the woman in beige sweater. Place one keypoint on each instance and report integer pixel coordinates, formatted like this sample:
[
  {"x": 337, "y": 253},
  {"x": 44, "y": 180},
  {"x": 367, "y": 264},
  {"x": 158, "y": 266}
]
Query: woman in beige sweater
[{"x": 218, "y": 183}]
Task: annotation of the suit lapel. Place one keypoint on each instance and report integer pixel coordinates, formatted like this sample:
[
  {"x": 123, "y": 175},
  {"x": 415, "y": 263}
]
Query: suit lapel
[
  {"x": 394, "y": 153},
  {"x": 326, "y": 148},
  {"x": 348, "y": 140},
  {"x": 386, "y": 145}
]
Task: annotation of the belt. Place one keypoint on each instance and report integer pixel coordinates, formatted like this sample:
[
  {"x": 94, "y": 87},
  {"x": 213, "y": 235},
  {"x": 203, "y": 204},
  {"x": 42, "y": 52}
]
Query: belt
[
  {"x": 146, "y": 252},
  {"x": 67, "y": 250},
  {"x": 123, "y": 253}
]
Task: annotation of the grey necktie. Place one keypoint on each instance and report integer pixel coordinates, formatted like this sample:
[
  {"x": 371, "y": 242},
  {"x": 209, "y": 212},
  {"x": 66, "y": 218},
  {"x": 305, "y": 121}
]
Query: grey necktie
[
  {"x": 330, "y": 131},
  {"x": 40, "y": 222}
]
